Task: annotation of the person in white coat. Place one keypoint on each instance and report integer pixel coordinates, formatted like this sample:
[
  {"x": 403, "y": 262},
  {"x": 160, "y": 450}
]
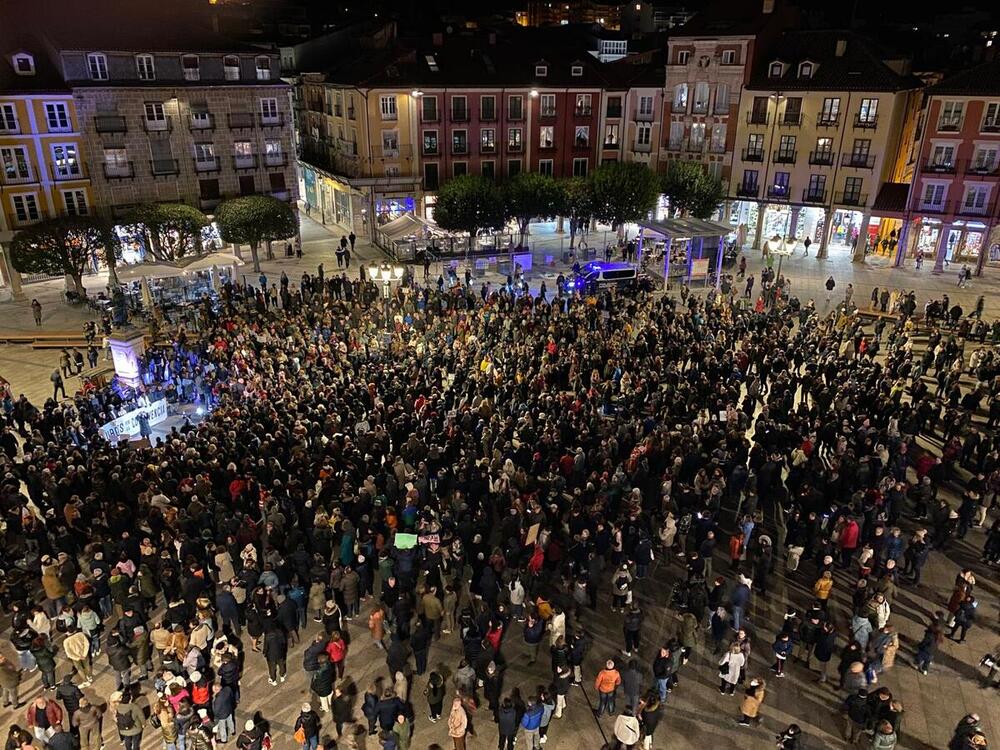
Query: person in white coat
[{"x": 729, "y": 669}]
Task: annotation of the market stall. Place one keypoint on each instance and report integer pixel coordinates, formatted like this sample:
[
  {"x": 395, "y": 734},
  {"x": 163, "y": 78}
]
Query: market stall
[{"x": 690, "y": 249}]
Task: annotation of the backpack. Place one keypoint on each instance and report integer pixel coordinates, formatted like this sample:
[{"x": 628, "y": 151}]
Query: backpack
[{"x": 124, "y": 721}]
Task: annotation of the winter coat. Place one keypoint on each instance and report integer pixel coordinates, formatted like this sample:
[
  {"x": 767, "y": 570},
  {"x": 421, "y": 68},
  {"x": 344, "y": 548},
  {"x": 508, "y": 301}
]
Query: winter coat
[
  {"x": 730, "y": 666},
  {"x": 752, "y": 702}
]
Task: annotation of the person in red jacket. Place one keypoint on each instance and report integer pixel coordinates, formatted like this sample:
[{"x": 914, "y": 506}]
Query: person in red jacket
[
  {"x": 848, "y": 541},
  {"x": 44, "y": 715},
  {"x": 337, "y": 650}
]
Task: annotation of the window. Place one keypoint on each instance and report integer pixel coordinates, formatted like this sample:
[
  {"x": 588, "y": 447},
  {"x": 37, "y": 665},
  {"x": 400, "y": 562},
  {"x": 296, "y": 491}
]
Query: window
[
  {"x": 683, "y": 57},
  {"x": 580, "y": 167},
  {"x": 57, "y": 117},
  {"x": 676, "y": 135},
  {"x": 942, "y": 155},
  {"x": 976, "y": 197},
  {"x": 430, "y": 142},
  {"x": 390, "y": 144},
  {"x": 645, "y": 106},
  {"x": 755, "y": 147},
  {"x": 748, "y": 186},
  {"x": 933, "y": 195},
  {"x": 805, "y": 70},
  {"x": 459, "y": 142},
  {"x": 830, "y": 113},
  {"x": 116, "y": 162},
  {"x": 780, "y": 187},
  {"x": 155, "y": 117},
  {"x": 515, "y": 139},
  {"x": 248, "y": 186},
  {"x": 273, "y": 152},
  {"x": 718, "y": 143},
  {"x": 991, "y": 117},
  {"x": 431, "y": 176},
  {"x": 611, "y": 135},
  {"x": 817, "y": 187},
  {"x": 488, "y": 169},
  {"x": 26, "y": 207},
  {"x": 513, "y": 167},
  {"x": 786, "y": 148},
  {"x": 208, "y": 190},
  {"x": 701, "y": 96},
  {"x": 583, "y": 104},
  {"x": 548, "y": 105},
  {"x": 387, "y": 106},
  {"x": 951, "y": 116},
  {"x": 392, "y": 170},
  {"x": 728, "y": 57},
  {"x": 8, "y": 118},
  {"x": 546, "y": 135},
  {"x": 201, "y": 119},
  {"x": 243, "y": 154},
  {"x": 722, "y": 99},
  {"x": 868, "y": 112},
  {"x": 64, "y": 160},
  {"x": 696, "y": 140},
  {"x": 614, "y": 46},
  {"x": 852, "y": 189},
  {"x": 277, "y": 182},
  {"x": 681, "y": 97},
  {"x": 459, "y": 109},
  {"x": 97, "y": 66},
  {"x": 429, "y": 109},
  {"x": 985, "y": 159},
  {"x": 793, "y": 111},
  {"x": 541, "y": 71},
  {"x": 759, "y": 111},
  {"x": 231, "y": 67},
  {"x": 24, "y": 65},
  {"x": 488, "y": 108},
  {"x": 487, "y": 140},
  {"x": 190, "y": 66},
  {"x": 860, "y": 150},
  {"x": 643, "y": 134},
  {"x": 16, "y": 167},
  {"x": 145, "y": 67},
  {"x": 459, "y": 168},
  {"x": 614, "y": 106},
  {"x": 75, "y": 202},
  {"x": 581, "y": 136},
  {"x": 269, "y": 111},
  {"x": 515, "y": 107},
  {"x": 545, "y": 167},
  {"x": 776, "y": 69},
  {"x": 576, "y": 71},
  {"x": 263, "y": 65}
]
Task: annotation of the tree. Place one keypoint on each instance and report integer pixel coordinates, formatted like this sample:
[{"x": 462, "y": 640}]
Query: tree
[
  {"x": 467, "y": 204},
  {"x": 623, "y": 192},
  {"x": 692, "y": 190},
  {"x": 578, "y": 205},
  {"x": 173, "y": 229},
  {"x": 253, "y": 219},
  {"x": 530, "y": 195},
  {"x": 65, "y": 246}
]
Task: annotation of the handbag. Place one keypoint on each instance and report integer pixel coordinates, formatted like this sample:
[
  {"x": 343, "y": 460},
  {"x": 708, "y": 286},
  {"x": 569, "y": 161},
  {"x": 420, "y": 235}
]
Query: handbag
[{"x": 300, "y": 736}]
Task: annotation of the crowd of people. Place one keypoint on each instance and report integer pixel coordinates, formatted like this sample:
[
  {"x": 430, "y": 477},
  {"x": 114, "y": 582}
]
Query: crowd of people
[{"x": 505, "y": 479}]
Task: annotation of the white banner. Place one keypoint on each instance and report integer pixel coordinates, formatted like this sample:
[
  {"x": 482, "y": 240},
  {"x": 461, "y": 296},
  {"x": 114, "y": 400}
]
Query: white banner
[{"x": 128, "y": 424}]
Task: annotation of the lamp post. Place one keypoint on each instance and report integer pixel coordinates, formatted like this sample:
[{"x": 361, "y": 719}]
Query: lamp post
[{"x": 386, "y": 273}]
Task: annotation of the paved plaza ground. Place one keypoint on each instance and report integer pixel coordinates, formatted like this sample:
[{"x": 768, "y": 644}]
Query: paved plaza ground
[{"x": 696, "y": 716}]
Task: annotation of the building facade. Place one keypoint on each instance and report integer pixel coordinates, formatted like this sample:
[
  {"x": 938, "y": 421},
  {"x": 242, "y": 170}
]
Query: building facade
[
  {"x": 820, "y": 130},
  {"x": 952, "y": 211}
]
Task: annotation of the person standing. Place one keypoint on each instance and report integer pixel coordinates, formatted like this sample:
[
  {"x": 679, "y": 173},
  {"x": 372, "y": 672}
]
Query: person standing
[
  {"x": 36, "y": 311},
  {"x": 57, "y": 384},
  {"x": 435, "y": 696},
  {"x": 830, "y": 286},
  {"x": 87, "y": 723},
  {"x": 44, "y": 715},
  {"x": 627, "y": 731},
  {"x": 752, "y": 701},
  {"x": 223, "y": 712},
  {"x": 129, "y": 719},
  {"x": 606, "y": 684},
  {"x": 507, "y": 724},
  {"x": 531, "y": 723},
  {"x": 307, "y": 728},
  {"x": 730, "y": 668},
  {"x": 352, "y": 238},
  {"x": 458, "y": 723},
  {"x": 10, "y": 680},
  {"x": 276, "y": 654}
]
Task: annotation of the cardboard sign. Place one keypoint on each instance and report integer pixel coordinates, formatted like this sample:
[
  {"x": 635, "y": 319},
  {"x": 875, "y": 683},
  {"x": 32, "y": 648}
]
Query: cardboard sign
[
  {"x": 405, "y": 541},
  {"x": 532, "y": 536}
]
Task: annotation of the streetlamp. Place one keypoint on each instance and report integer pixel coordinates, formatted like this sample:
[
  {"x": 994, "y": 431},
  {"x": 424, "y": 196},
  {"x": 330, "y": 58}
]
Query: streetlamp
[{"x": 386, "y": 273}]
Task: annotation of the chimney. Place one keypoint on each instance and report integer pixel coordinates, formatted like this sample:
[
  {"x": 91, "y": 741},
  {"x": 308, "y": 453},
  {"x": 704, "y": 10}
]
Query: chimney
[
  {"x": 841, "y": 47},
  {"x": 438, "y": 39},
  {"x": 768, "y": 7}
]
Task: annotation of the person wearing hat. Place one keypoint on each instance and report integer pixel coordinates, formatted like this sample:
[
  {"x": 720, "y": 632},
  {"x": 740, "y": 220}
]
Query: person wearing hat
[
  {"x": 251, "y": 738},
  {"x": 791, "y": 738},
  {"x": 86, "y": 723},
  {"x": 606, "y": 684},
  {"x": 307, "y": 728}
]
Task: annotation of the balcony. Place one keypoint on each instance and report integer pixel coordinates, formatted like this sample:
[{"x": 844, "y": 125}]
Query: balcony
[
  {"x": 990, "y": 126},
  {"x": 18, "y": 179},
  {"x": 699, "y": 108},
  {"x": 982, "y": 169},
  {"x": 165, "y": 125},
  {"x": 934, "y": 208},
  {"x": 459, "y": 149},
  {"x": 675, "y": 145},
  {"x": 695, "y": 147},
  {"x": 582, "y": 110},
  {"x": 547, "y": 112},
  {"x": 110, "y": 124},
  {"x": 164, "y": 167},
  {"x": 858, "y": 161},
  {"x": 747, "y": 190},
  {"x": 642, "y": 148},
  {"x": 753, "y": 154},
  {"x": 390, "y": 153},
  {"x": 275, "y": 160},
  {"x": 640, "y": 116},
  {"x": 272, "y": 121},
  {"x": 74, "y": 174},
  {"x": 949, "y": 124},
  {"x": 821, "y": 158},
  {"x": 546, "y": 145},
  {"x": 613, "y": 113},
  {"x": 827, "y": 120},
  {"x": 487, "y": 148},
  {"x": 459, "y": 115},
  {"x": 851, "y": 199},
  {"x": 201, "y": 122},
  {"x": 211, "y": 164},
  {"x": 964, "y": 209},
  {"x": 244, "y": 161},
  {"x": 790, "y": 120},
  {"x": 346, "y": 147},
  {"x": 241, "y": 121},
  {"x": 430, "y": 149},
  {"x": 784, "y": 157},
  {"x": 758, "y": 118},
  {"x": 581, "y": 144},
  {"x": 515, "y": 148},
  {"x": 813, "y": 196},
  {"x": 124, "y": 171},
  {"x": 868, "y": 122},
  {"x": 778, "y": 192},
  {"x": 940, "y": 166},
  {"x": 717, "y": 148}
]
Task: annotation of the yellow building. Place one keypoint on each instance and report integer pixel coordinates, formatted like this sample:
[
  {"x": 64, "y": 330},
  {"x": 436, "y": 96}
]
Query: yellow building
[
  {"x": 44, "y": 173},
  {"x": 359, "y": 156},
  {"x": 821, "y": 128}
]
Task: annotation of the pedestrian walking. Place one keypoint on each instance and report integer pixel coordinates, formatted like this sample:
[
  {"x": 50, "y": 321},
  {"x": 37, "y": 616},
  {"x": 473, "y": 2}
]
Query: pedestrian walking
[{"x": 36, "y": 311}]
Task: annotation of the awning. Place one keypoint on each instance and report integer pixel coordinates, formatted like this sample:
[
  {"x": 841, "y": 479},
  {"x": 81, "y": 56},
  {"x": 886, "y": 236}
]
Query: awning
[
  {"x": 687, "y": 227},
  {"x": 401, "y": 227},
  {"x": 149, "y": 271}
]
